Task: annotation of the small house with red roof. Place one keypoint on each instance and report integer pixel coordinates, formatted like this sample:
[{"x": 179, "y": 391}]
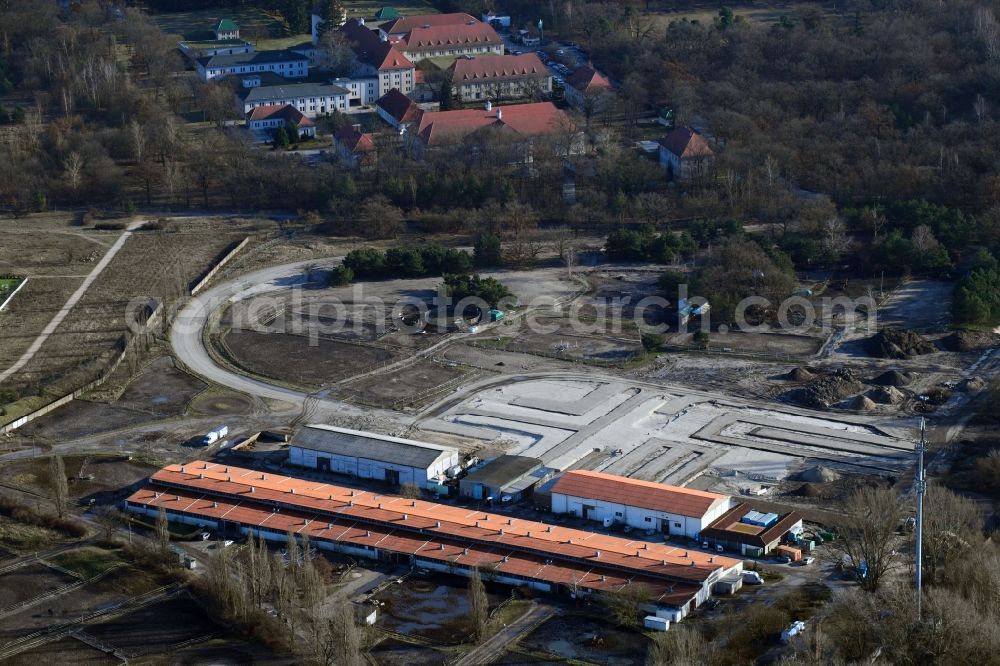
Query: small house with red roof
[
  {"x": 270, "y": 117},
  {"x": 355, "y": 149},
  {"x": 397, "y": 109},
  {"x": 499, "y": 77},
  {"x": 586, "y": 87},
  {"x": 684, "y": 153}
]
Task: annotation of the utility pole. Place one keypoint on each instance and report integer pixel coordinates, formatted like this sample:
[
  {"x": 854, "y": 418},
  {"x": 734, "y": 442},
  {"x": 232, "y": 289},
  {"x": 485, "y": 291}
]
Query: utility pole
[{"x": 921, "y": 487}]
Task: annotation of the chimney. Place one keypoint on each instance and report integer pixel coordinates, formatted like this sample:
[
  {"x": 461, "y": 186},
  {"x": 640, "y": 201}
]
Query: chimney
[
  {"x": 569, "y": 541},
  {"x": 638, "y": 553},
  {"x": 489, "y": 105},
  {"x": 215, "y": 505},
  {"x": 404, "y": 516},
  {"x": 201, "y": 476},
  {"x": 252, "y": 489},
  {"x": 499, "y": 114},
  {"x": 465, "y": 552},
  {"x": 182, "y": 469},
  {"x": 329, "y": 526},
  {"x": 501, "y": 531},
  {"x": 350, "y": 503},
  {"x": 441, "y": 546},
  {"x": 597, "y": 554},
  {"x": 437, "y": 523},
  {"x": 368, "y": 533},
  {"x": 692, "y": 562}
]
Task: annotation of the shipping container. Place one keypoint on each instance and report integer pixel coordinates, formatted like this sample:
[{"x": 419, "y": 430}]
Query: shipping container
[{"x": 656, "y": 623}]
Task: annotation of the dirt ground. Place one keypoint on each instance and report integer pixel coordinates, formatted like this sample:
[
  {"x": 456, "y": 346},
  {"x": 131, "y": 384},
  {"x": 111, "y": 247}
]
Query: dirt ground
[
  {"x": 434, "y": 607},
  {"x": 30, "y": 581},
  {"x": 291, "y": 358},
  {"x": 162, "y": 388},
  {"x": 566, "y": 341},
  {"x": 157, "y": 627},
  {"x": 411, "y": 386},
  {"x": 156, "y": 264},
  {"x": 110, "y": 473},
  {"x": 65, "y": 652},
  {"x": 573, "y": 636},
  {"x": 397, "y": 653},
  {"x": 81, "y": 418},
  {"x": 778, "y": 344}
]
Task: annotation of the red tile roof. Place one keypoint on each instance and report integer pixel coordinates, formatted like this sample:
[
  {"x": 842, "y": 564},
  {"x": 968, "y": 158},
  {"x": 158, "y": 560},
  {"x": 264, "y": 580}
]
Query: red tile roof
[
  {"x": 464, "y": 70},
  {"x": 633, "y": 492},
  {"x": 405, "y": 24},
  {"x": 446, "y": 521},
  {"x": 438, "y": 127},
  {"x": 353, "y": 140},
  {"x": 369, "y": 48},
  {"x": 587, "y": 78},
  {"x": 399, "y": 106},
  {"x": 445, "y": 36},
  {"x": 401, "y": 539},
  {"x": 284, "y": 111},
  {"x": 686, "y": 143}
]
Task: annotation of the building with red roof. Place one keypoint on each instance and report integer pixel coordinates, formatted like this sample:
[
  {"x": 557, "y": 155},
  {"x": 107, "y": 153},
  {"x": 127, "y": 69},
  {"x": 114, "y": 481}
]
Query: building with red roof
[
  {"x": 270, "y": 117},
  {"x": 641, "y": 504},
  {"x": 377, "y": 65},
  {"x": 428, "y": 534},
  {"x": 441, "y": 36},
  {"x": 397, "y": 109},
  {"x": 685, "y": 153},
  {"x": 354, "y": 148},
  {"x": 587, "y": 87},
  {"x": 520, "y": 125},
  {"x": 499, "y": 77}
]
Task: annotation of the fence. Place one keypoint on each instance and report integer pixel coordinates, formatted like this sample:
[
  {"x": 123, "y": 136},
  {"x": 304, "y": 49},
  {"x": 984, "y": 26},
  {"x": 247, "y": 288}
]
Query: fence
[
  {"x": 200, "y": 284},
  {"x": 123, "y": 344}
]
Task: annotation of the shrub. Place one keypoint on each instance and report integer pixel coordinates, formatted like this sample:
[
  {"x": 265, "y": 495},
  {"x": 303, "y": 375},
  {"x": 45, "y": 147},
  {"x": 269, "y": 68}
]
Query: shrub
[{"x": 109, "y": 226}]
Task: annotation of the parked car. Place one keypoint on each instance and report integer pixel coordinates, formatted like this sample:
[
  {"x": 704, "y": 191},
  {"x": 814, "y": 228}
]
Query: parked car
[
  {"x": 808, "y": 560},
  {"x": 783, "y": 559}
]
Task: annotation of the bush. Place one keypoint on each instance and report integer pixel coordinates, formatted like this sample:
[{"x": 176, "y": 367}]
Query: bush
[
  {"x": 110, "y": 226},
  {"x": 31, "y": 516},
  {"x": 341, "y": 276},
  {"x": 652, "y": 342}
]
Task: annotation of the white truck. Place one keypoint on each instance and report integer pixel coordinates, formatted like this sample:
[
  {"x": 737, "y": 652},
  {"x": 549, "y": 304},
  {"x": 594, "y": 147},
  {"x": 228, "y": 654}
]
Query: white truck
[{"x": 215, "y": 435}]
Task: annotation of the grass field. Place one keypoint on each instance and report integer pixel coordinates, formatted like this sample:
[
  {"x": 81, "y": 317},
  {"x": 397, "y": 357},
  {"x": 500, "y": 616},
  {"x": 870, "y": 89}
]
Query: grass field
[{"x": 757, "y": 12}]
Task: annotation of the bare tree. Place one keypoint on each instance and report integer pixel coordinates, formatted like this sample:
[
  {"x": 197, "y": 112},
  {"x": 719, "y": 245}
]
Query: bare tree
[
  {"x": 626, "y": 602},
  {"x": 137, "y": 134},
  {"x": 867, "y": 534},
  {"x": 74, "y": 170},
  {"x": 346, "y": 634},
  {"x": 683, "y": 646},
  {"x": 162, "y": 530},
  {"x": 479, "y": 605},
  {"x": 410, "y": 490},
  {"x": 108, "y": 519},
  {"x": 952, "y": 526},
  {"x": 59, "y": 485}
]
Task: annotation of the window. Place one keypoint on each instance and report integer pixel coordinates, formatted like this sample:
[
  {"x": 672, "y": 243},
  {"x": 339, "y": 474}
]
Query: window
[
  {"x": 648, "y": 519},
  {"x": 677, "y": 525},
  {"x": 618, "y": 514}
]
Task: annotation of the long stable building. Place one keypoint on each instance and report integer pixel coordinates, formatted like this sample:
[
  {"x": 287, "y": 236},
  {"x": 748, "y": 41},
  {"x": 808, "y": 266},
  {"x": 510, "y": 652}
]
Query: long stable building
[{"x": 427, "y": 534}]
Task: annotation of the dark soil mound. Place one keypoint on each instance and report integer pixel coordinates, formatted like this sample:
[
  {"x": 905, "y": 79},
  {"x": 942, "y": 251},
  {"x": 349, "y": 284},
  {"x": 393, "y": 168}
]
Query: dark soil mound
[
  {"x": 966, "y": 341},
  {"x": 893, "y": 378},
  {"x": 801, "y": 374},
  {"x": 829, "y": 389},
  {"x": 807, "y": 490},
  {"x": 897, "y": 343},
  {"x": 887, "y": 395}
]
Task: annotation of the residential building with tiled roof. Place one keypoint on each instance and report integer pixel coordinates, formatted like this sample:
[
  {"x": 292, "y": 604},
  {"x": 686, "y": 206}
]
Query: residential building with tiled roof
[
  {"x": 685, "y": 153},
  {"x": 378, "y": 59},
  {"x": 585, "y": 86},
  {"x": 354, "y": 147},
  {"x": 288, "y": 64},
  {"x": 312, "y": 99},
  {"x": 499, "y": 77},
  {"x": 397, "y": 109},
  {"x": 641, "y": 504},
  {"x": 441, "y": 36},
  {"x": 522, "y": 124},
  {"x": 269, "y": 117},
  {"x": 226, "y": 29},
  {"x": 401, "y": 25}
]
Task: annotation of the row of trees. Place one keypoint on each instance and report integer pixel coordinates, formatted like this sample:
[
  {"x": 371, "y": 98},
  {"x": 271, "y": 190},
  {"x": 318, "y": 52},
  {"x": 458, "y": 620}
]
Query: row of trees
[{"x": 407, "y": 262}]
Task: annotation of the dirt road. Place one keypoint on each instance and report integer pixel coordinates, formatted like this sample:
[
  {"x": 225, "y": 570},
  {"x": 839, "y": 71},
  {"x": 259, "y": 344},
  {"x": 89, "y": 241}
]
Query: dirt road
[{"x": 492, "y": 648}]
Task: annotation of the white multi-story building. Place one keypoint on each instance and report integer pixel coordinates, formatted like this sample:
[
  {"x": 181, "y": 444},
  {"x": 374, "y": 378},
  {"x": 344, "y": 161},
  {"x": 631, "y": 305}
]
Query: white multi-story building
[
  {"x": 641, "y": 504},
  {"x": 312, "y": 99},
  {"x": 376, "y": 58},
  {"x": 287, "y": 64},
  {"x": 368, "y": 455}
]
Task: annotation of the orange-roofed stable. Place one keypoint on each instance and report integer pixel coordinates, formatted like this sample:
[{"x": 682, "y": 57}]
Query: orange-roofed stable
[
  {"x": 641, "y": 504},
  {"x": 238, "y": 498}
]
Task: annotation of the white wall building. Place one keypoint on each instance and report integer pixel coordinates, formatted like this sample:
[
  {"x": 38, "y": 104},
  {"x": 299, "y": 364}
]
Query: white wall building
[
  {"x": 369, "y": 455},
  {"x": 288, "y": 64},
  {"x": 642, "y": 504},
  {"x": 312, "y": 99}
]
